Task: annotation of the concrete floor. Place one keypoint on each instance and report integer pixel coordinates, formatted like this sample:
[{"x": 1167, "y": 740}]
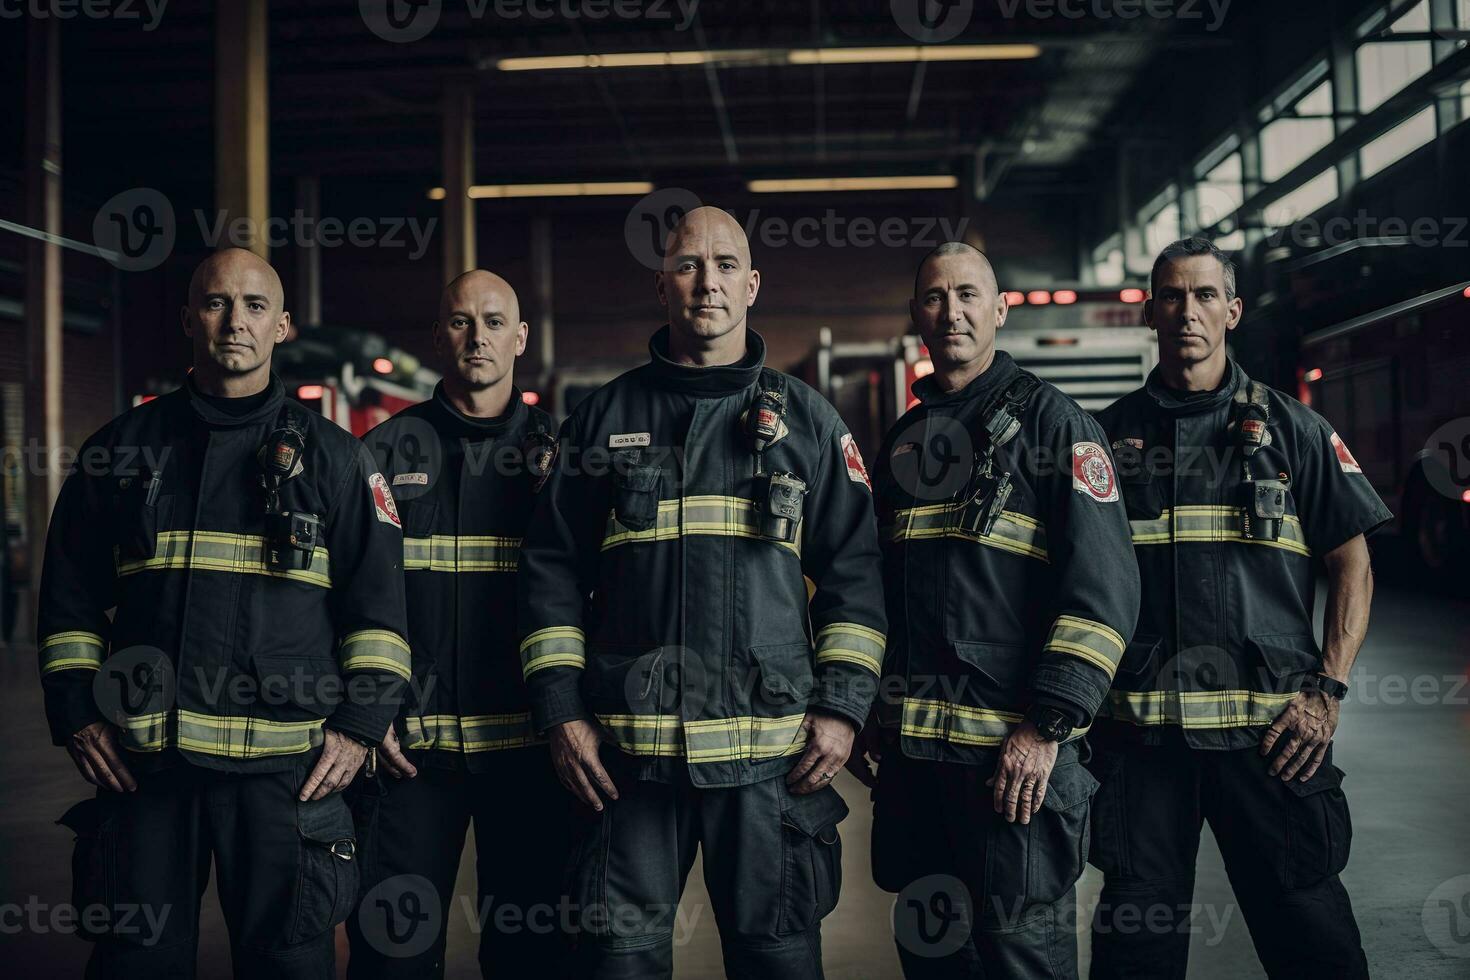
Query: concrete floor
[{"x": 1403, "y": 742}]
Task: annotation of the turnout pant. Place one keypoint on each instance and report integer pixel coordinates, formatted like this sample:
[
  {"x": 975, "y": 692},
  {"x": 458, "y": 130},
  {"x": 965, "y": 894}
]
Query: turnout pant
[
  {"x": 1283, "y": 845},
  {"x": 286, "y": 872},
  {"x": 978, "y": 896},
  {"x": 411, "y": 835},
  {"x": 772, "y": 864}
]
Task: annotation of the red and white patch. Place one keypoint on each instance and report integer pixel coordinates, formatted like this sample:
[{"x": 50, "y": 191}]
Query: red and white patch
[
  {"x": 1092, "y": 472},
  {"x": 383, "y": 500},
  {"x": 856, "y": 471},
  {"x": 1344, "y": 458}
]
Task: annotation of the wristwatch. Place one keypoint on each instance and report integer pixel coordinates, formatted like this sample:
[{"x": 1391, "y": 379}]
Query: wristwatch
[
  {"x": 1050, "y": 722},
  {"x": 1329, "y": 686}
]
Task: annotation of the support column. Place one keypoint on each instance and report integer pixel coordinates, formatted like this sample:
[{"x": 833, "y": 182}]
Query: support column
[
  {"x": 541, "y": 330},
  {"x": 242, "y": 121},
  {"x": 306, "y": 308},
  {"x": 459, "y": 174},
  {"x": 42, "y": 418}
]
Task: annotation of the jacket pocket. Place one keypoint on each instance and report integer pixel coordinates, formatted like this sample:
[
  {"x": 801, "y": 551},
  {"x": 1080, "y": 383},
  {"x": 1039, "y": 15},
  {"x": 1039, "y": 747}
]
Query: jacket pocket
[
  {"x": 288, "y": 686},
  {"x": 418, "y": 516},
  {"x": 635, "y": 494},
  {"x": 783, "y": 677},
  {"x": 93, "y": 861},
  {"x": 328, "y": 874},
  {"x": 1140, "y": 663},
  {"x": 812, "y": 857},
  {"x": 999, "y": 672},
  {"x": 1319, "y": 828},
  {"x": 1284, "y": 656},
  {"x": 135, "y": 521}
]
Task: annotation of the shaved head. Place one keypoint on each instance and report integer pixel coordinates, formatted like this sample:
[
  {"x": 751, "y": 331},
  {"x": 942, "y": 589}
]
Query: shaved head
[
  {"x": 957, "y": 308},
  {"x": 479, "y": 282},
  {"x": 478, "y": 336},
  {"x": 707, "y": 284},
  {"x": 985, "y": 273},
  {"x": 235, "y": 316},
  {"x": 231, "y": 262},
  {"x": 706, "y": 225}
]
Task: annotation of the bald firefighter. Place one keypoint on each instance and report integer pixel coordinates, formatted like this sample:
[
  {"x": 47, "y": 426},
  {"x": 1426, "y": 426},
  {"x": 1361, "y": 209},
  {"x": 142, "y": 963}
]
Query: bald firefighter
[
  {"x": 250, "y": 551},
  {"x": 1225, "y": 705},
  {"x": 465, "y": 467},
  {"x": 694, "y": 697},
  {"x": 1010, "y": 597}
]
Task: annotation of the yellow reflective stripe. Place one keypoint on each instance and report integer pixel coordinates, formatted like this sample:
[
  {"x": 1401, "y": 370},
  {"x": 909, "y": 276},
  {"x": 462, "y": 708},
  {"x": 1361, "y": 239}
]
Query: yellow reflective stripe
[
  {"x": 1196, "y": 709},
  {"x": 554, "y": 646},
  {"x": 688, "y": 516},
  {"x": 461, "y": 553},
  {"x": 1096, "y": 643},
  {"x": 217, "y": 551},
  {"x": 1212, "y": 522},
  {"x": 1019, "y": 534},
  {"x": 851, "y": 643},
  {"x": 707, "y": 739},
  {"x": 471, "y": 733},
  {"x": 960, "y": 724},
  {"x": 74, "y": 649},
  {"x": 228, "y": 736},
  {"x": 376, "y": 650}
]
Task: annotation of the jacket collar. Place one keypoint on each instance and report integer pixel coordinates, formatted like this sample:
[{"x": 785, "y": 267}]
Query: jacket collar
[
  {"x": 1000, "y": 372},
  {"x": 1178, "y": 403},
  {"x": 706, "y": 382},
  {"x": 479, "y": 428},
  {"x": 216, "y": 419}
]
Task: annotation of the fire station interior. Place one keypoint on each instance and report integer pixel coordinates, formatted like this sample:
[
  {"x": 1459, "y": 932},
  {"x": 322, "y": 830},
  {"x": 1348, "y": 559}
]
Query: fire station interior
[{"x": 1322, "y": 143}]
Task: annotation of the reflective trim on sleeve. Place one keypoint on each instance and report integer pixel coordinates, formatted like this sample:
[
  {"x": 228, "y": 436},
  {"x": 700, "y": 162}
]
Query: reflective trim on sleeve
[
  {"x": 461, "y": 553},
  {"x": 851, "y": 643},
  {"x": 707, "y": 740},
  {"x": 375, "y": 650},
  {"x": 554, "y": 646},
  {"x": 1196, "y": 709},
  {"x": 1195, "y": 523},
  {"x": 228, "y": 736},
  {"x": 1014, "y": 532},
  {"x": 218, "y": 551},
  {"x": 471, "y": 733},
  {"x": 72, "y": 650},
  {"x": 1096, "y": 643},
  {"x": 733, "y": 517},
  {"x": 960, "y": 724}
]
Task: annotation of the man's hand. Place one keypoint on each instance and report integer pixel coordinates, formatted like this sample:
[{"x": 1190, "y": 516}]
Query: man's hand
[
  {"x": 574, "y": 753},
  {"x": 828, "y": 744},
  {"x": 1025, "y": 764},
  {"x": 867, "y": 753},
  {"x": 98, "y": 757},
  {"x": 392, "y": 759},
  {"x": 1311, "y": 719},
  {"x": 341, "y": 758}
]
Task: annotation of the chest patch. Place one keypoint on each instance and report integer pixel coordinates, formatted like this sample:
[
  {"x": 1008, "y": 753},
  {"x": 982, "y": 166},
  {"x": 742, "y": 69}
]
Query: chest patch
[
  {"x": 1344, "y": 458},
  {"x": 414, "y": 479},
  {"x": 624, "y": 440},
  {"x": 856, "y": 471},
  {"x": 383, "y": 505},
  {"x": 1092, "y": 472},
  {"x": 1133, "y": 443}
]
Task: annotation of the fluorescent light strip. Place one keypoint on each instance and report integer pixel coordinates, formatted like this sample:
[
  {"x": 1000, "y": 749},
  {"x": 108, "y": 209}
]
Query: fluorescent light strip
[
  {"x": 608, "y": 188},
  {"x": 936, "y": 182},
  {"x": 751, "y": 57}
]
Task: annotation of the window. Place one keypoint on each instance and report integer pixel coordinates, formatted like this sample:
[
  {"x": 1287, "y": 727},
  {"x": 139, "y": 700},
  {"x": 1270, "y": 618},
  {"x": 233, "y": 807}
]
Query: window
[
  {"x": 1398, "y": 142},
  {"x": 1415, "y": 21},
  {"x": 1316, "y": 193},
  {"x": 1288, "y": 141},
  {"x": 1220, "y": 194},
  {"x": 1385, "y": 67},
  {"x": 1162, "y": 228}
]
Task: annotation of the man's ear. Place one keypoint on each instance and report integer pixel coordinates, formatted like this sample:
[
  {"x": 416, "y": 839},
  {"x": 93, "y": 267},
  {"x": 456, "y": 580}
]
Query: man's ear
[
  {"x": 1148, "y": 312},
  {"x": 437, "y": 332},
  {"x": 1002, "y": 310},
  {"x": 283, "y": 327},
  {"x": 753, "y": 287},
  {"x": 1237, "y": 307},
  {"x": 522, "y": 332},
  {"x": 184, "y": 319},
  {"x": 658, "y": 287}
]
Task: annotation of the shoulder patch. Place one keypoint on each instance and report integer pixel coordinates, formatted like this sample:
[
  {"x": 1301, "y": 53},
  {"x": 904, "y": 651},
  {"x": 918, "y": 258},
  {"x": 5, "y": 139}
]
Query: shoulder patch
[
  {"x": 856, "y": 471},
  {"x": 1092, "y": 472},
  {"x": 1344, "y": 457},
  {"x": 383, "y": 504}
]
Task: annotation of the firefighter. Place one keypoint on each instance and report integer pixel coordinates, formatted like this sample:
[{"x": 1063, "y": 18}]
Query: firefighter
[
  {"x": 464, "y": 467},
  {"x": 250, "y": 549},
  {"x": 693, "y": 694},
  {"x": 1224, "y": 707},
  {"x": 1010, "y": 595}
]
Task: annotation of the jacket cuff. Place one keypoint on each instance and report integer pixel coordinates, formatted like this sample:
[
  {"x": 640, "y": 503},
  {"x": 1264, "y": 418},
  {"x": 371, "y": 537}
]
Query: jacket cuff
[
  {"x": 845, "y": 692},
  {"x": 1070, "y": 686},
  {"x": 70, "y": 707},
  {"x": 368, "y": 720},
  {"x": 557, "y": 705}
]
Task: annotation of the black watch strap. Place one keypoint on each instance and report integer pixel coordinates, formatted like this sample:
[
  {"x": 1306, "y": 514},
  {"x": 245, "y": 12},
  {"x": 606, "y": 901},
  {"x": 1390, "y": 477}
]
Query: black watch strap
[
  {"x": 1330, "y": 686},
  {"x": 1051, "y": 723}
]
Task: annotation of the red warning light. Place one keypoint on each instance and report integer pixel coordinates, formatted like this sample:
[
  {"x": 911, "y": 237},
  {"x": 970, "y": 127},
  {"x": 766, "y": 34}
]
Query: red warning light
[
  {"x": 1015, "y": 298},
  {"x": 1313, "y": 375},
  {"x": 1131, "y": 295},
  {"x": 1064, "y": 297},
  {"x": 530, "y": 398},
  {"x": 382, "y": 365},
  {"x": 1038, "y": 297},
  {"x": 309, "y": 393}
]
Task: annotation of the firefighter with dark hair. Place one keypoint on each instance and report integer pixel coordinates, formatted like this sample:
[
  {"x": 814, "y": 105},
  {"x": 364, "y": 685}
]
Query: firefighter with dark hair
[
  {"x": 249, "y": 550},
  {"x": 1010, "y": 599},
  {"x": 1224, "y": 707},
  {"x": 465, "y": 467},
  {"x": 697, "y": 697}
]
